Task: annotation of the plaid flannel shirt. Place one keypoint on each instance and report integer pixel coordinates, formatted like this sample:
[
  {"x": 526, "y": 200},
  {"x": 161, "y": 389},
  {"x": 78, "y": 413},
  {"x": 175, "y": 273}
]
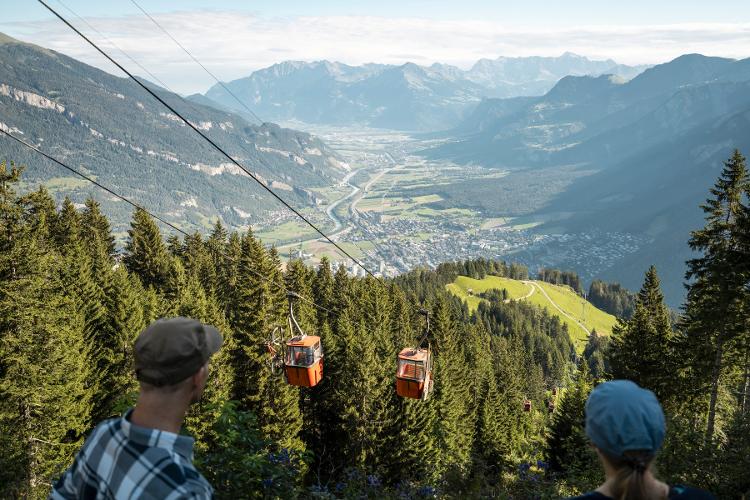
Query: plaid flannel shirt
[{"x": 123, "y": 460}]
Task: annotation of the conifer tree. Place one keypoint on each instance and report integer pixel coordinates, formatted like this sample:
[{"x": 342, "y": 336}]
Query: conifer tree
[
  {"x": 494, "y": 414},
  {"x": 114, "y": 346},
  {"x": 41, "y": 215},
  {"x": 43, "y": 369},
  {"x": 378, "y": 323},
  {"x": 455, "y": 426},
  {"x": 97, "y": 230},
  {"x": 322, "y": 289},
  {"x": 145, "y": 252},
  {"x": 258, "y": 308},
  {"x": 358, "y": 401},
  {"x": 640, "y": 346},
  {"x": 80, "y": 287},
  {"x": 715, "y": 312},
  {"x": 568, "y": 450},
  {"x": 98, "y": 242}
]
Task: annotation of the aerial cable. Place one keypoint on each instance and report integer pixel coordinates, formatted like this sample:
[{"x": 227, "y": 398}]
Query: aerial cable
[
  {"x": 108, "y": 40},
  {"x": 229, "y": 91},
  {"x": 153, "y": 76},
  {"x": 92, "y": 181},
  {"x": 209, "y": 140},
  {"x": 198, "y": 62},
  {"x": 151, "y": 214},
  {"x": 156, "y": 78}
]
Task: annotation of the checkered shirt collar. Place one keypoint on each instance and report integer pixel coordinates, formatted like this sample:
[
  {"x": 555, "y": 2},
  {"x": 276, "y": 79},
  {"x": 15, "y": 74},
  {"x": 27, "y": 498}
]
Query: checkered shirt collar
[{"x": 182, "y": 445}]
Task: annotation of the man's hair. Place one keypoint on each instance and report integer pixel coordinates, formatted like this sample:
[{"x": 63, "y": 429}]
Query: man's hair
[{"x": 172, "y": 388}]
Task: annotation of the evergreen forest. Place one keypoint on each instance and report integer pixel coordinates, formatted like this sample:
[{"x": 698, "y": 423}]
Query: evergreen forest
[{"x": 72, "y": 304}]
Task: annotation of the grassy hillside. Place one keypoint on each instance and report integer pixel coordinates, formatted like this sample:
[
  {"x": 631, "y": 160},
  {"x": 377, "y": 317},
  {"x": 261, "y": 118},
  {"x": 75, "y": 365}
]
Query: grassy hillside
[{"x": 575, "y": 310}]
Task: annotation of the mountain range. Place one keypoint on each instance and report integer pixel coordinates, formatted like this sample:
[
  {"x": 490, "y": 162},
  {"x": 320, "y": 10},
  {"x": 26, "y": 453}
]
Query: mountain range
[
  {"x": 401, "y": 97},
  {"x": 114, "y": 131},
  {"x": 656, "y": 144}
]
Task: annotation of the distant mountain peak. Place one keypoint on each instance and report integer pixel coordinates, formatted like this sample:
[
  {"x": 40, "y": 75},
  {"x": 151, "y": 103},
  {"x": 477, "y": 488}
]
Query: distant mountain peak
[{"x": 407, "y": 96}]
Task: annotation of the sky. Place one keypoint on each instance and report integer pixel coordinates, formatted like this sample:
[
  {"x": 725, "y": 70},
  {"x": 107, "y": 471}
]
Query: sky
[{"x": 234, "y": 38}]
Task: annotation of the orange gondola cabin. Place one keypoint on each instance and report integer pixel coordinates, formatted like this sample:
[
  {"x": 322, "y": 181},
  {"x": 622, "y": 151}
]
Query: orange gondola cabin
[
  {"x": 414, "y": 374},
  {"x": 303, "y": 363}
]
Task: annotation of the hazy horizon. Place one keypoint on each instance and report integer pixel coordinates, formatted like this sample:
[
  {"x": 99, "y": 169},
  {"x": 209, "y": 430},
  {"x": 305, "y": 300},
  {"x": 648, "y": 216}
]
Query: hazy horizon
[{"x": 233, "y": 42}]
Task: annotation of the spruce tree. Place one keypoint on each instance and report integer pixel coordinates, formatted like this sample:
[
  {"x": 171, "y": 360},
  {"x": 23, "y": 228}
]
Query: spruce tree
[
  {"x": 568, "y": 451},
  {"x": 715, "y": 314},
  {"x": 258, "y": 308},
  {"x": 145, "y": 252},
  {"x": 640, "y": 346},
  {"x": 81, "y": 287},
  {"x": 97, "y": 231},
  {"x": 114, "y": 346},
  {"x": 43, "y": 369},
  {"x": 455, "y": 426}
]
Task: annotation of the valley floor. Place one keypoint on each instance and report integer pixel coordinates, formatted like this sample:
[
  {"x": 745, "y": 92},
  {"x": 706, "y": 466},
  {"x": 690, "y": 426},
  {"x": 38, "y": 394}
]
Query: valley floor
[{"x": 397, "y": 210}]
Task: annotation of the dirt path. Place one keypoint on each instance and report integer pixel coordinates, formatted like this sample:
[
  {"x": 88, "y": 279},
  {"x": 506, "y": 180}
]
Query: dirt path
[
  {"x": 571, "y": 318},
  {"x": 531, "y": 292}
]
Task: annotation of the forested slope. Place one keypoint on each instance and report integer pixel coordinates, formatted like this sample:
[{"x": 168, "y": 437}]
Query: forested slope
[
  {"x": 112, "y": 129},
  {"x": 70, "y": 311}
]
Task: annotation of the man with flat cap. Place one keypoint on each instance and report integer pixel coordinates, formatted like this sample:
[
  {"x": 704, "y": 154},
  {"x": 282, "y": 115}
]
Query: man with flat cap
[{"x": 142, "y": 454}]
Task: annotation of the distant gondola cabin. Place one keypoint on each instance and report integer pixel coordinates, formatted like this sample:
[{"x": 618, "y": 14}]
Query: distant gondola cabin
[
  {"x": 414, "y": 374},
  {"x": 303, "y": 364}
]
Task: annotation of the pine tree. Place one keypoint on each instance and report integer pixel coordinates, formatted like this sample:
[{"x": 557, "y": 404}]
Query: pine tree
[
  {"x": 258, "y": 308},
  {"x": 455, "y": 426},
  {"x": 640, "y": 346},
  {"x": 145, "y": 252},
  {"x": 568, "y": 450},
  {"x": 80, "y": 287},
  {"x": 114, "y": 346},
  {"x": 43, "y": 369},
  {"x": 715, "y": 315}
]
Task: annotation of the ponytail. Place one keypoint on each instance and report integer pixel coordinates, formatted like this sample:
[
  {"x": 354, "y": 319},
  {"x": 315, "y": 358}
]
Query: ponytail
[{"x": 629, "y": 483}]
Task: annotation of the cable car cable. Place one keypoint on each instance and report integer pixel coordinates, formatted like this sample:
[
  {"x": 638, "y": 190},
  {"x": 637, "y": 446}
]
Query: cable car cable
[
  {"x": 151, "y": 214},
  {"x": 197, "y": 61},
  {"x": 158, "y": 80},
  {"x": 92, "y": 181},
  {"x": 209, "y": 140},
  {"x": 240, "y": 101},
  {"x": 108, "y": 40}
]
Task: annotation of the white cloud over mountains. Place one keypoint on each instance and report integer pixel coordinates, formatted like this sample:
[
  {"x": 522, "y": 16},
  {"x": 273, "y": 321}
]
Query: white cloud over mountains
[{"x": 233, "y": 44}]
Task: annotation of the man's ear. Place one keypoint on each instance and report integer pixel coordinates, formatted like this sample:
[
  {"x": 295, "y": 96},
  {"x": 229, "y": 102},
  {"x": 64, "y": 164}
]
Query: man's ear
[{"x": 200, "y": 376}]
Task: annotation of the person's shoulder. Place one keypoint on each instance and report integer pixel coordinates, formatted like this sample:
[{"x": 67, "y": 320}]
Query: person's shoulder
[
  {"x": 174, "y": 481},
  {"x": 680, "y": 492},
  {"x": 591, "y": 495}
]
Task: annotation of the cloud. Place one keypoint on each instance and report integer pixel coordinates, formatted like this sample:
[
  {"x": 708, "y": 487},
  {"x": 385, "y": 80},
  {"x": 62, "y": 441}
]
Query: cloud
[{"x": 233, "y": 44}]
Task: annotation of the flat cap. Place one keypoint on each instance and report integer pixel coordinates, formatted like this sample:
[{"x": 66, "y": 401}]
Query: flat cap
[{"x": 170, "y": 350}]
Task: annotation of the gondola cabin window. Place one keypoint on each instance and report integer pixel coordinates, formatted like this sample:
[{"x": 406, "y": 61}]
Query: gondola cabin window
[{"x": 411, "y": 369}]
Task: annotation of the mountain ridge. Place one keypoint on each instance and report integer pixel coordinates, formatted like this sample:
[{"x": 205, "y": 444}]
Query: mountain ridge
[
  {"x": 435, "y": 97},
  {"x": 653, "y": 145},
  {"x": 116, "y": 132}
]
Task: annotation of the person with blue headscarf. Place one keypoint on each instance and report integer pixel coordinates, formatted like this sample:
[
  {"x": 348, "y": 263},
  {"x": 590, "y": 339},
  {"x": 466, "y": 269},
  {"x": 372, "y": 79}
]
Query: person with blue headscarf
[{"x": 626, "y": 426}]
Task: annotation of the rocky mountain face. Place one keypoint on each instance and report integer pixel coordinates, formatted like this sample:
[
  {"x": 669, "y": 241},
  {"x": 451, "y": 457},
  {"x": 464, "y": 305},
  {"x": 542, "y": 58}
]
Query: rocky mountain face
[
  {"x": 405, "y": 97},
  {"x": 656, "y": 143},
  {"x": 113, "y": 130}
]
